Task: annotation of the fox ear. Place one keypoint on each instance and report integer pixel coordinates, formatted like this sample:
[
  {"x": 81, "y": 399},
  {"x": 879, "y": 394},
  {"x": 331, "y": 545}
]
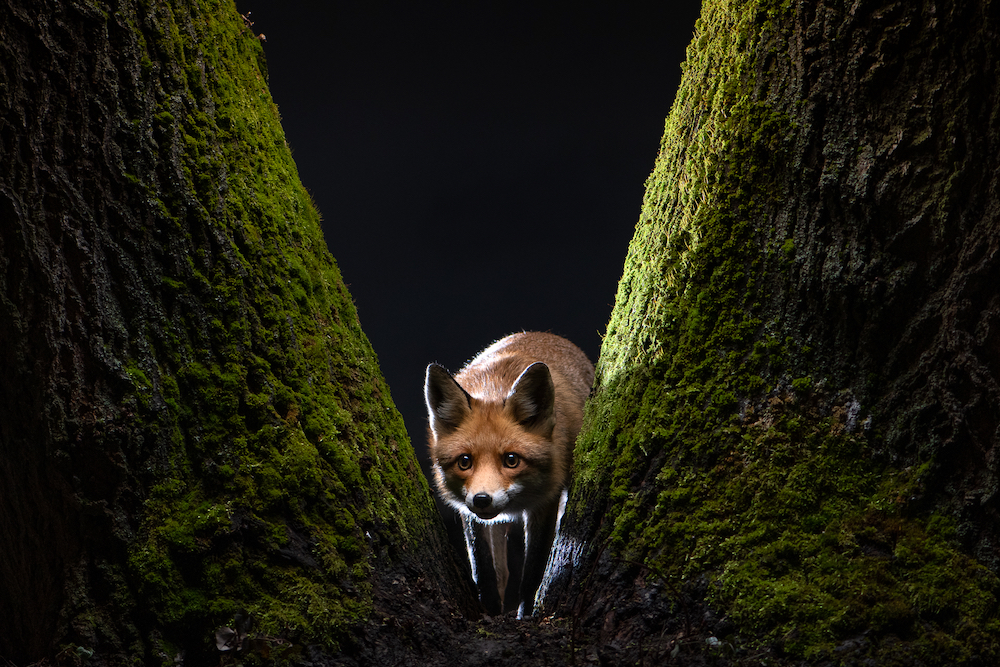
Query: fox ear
[
  {"x": 447, "y": 403},
  {"x": 532, "y": 400}
]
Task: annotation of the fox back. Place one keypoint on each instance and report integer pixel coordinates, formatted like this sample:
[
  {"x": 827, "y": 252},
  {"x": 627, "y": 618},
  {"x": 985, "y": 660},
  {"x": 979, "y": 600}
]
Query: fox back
[{"x": 501, "y": 436}]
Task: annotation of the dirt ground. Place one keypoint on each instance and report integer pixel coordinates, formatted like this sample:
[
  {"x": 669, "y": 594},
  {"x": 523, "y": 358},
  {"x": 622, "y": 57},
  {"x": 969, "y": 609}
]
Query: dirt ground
[{"x": 647, "y": 630}]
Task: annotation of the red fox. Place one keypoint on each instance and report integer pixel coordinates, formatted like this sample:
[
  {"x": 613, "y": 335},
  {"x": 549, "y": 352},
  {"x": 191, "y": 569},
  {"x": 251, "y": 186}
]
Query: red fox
[{"x": 501, "y": 436}]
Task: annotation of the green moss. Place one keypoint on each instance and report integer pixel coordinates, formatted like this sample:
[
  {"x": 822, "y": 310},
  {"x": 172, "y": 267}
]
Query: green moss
[
  {"x": 788, "y": 248},
  {"x": 758, "y": 473},
  {"x": 802, "y": 384},
  {"x": 275, "y": 462}
]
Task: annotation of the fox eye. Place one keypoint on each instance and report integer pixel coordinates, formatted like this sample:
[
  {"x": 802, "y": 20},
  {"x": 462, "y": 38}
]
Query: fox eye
[
  {"x": 464, "y": 462},
  {"x": 511, "y": 460}
]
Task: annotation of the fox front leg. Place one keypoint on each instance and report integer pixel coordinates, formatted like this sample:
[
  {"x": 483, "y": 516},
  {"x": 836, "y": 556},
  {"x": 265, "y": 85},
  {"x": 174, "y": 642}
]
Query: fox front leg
[
  {"x": 496, "y": 536},
  {"x": 539, "y": 533},
  {"x": 479, "y": 544}
]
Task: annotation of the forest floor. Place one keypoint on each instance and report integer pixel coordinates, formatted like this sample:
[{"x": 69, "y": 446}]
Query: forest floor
[
  {"x": 407, "y": 629},
  {"x": 544, "y": 642}
]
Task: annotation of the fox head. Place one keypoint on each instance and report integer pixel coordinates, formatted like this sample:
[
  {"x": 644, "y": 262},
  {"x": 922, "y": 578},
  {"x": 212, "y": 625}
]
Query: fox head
[{"x": 493, "y": 455}]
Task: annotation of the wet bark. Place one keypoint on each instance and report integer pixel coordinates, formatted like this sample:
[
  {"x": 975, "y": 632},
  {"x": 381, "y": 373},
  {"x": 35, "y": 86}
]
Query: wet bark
[{"x": 192, "y": 424}]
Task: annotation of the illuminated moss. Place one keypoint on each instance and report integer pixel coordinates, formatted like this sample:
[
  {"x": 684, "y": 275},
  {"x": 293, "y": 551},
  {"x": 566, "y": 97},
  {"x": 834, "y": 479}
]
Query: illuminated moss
[
  {"x": 762, "y": 474},
  {"x": 276, "y": 466}
]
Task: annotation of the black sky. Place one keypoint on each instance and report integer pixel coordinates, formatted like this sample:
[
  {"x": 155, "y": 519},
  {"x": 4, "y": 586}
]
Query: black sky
[{"x": 479, "y": 165}]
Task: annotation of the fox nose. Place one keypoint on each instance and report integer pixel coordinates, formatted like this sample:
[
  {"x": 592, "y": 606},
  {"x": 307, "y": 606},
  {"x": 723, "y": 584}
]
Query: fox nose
[{"x": 482, "y": 500}]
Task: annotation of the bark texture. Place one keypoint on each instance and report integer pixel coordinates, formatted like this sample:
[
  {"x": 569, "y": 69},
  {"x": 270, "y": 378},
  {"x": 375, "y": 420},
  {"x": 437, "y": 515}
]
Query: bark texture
[
  {"x": 794, "y": 434},
  {"x": 192, "y": 423}
]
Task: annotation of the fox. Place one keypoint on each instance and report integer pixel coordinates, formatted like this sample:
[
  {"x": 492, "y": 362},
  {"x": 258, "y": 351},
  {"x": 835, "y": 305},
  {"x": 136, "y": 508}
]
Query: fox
[{"x": 501, "y": 434}]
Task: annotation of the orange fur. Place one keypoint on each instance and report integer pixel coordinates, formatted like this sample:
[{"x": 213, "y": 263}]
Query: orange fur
[{"x": 501, "y": 436}]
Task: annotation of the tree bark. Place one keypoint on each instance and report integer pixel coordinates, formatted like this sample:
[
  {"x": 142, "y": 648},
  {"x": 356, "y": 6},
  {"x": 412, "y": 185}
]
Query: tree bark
[
  {"x": 192, "y": 423},
  {"x": 793, "y": 437}
]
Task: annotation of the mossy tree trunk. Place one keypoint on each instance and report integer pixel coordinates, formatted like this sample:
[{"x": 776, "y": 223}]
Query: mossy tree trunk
[
  {"x": 192, "y": 423},
  {"x": 795, "y": 423}
]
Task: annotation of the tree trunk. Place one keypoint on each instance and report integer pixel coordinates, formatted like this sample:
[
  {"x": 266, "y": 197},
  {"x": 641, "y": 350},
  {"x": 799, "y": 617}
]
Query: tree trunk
[
  {"x": 192, "y": 423},
  {"x": 792, "y": 446}
]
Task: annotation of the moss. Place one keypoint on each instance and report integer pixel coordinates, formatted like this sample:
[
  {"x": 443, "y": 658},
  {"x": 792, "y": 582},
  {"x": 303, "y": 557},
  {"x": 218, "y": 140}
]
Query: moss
[
  {"x": 276, "y": 467},
  {"x": 802, "y": 384},
  {"x": 758, "y": 473}
]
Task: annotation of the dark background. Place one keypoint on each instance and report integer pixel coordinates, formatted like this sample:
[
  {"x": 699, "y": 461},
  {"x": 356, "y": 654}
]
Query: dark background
[{"x": 479, "y": 165}]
